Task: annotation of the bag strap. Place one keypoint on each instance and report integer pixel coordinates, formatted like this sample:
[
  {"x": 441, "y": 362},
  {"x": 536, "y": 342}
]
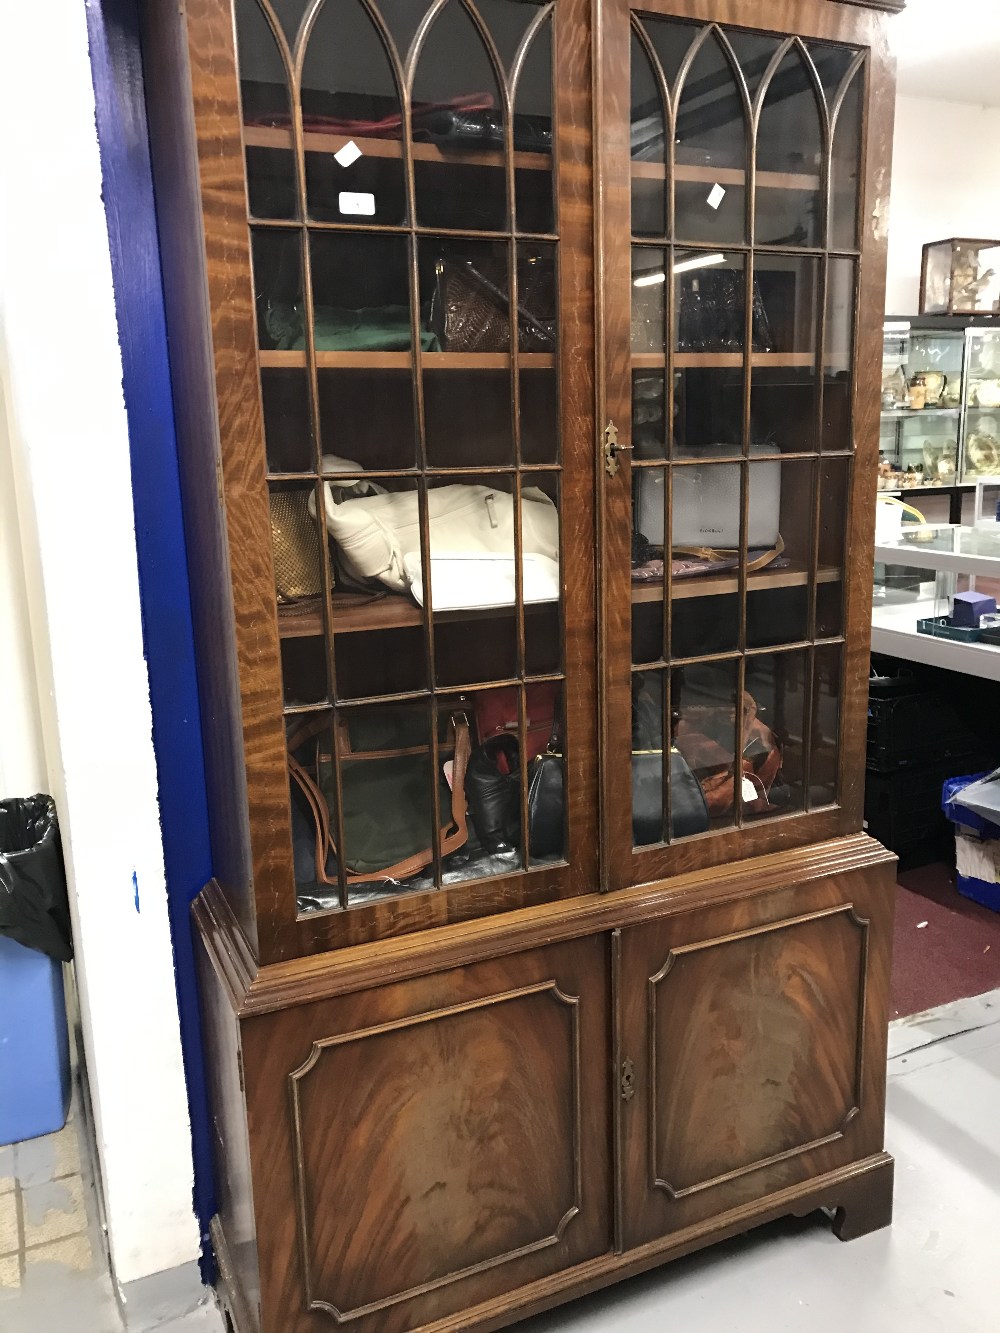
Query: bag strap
[
  {"x": 713, "y": 553},
  {"x": 325, "y": 844}
]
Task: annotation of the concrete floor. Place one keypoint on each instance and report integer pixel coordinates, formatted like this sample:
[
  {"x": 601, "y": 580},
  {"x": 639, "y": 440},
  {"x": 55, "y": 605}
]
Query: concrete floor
[{"x": 936, "y": 1270}]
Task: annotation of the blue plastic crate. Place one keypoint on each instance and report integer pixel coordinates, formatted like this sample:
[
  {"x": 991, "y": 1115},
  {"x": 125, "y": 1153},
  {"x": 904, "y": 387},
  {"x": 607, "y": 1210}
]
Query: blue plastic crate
[
  {"x": 34, "y": 1044},
  {"x": 987, "y": 895}
]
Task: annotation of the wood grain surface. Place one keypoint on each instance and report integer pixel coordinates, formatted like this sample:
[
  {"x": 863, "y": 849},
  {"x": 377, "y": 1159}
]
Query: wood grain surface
[{"x": 434, "y": 1142}]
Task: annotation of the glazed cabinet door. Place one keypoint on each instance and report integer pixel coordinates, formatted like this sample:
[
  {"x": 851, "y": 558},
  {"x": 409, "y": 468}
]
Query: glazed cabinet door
[
  {"x": 397, "y": 205},
  {"x": 432, "y": 1144},
  {"x": 751, "y": 1039},
  {"x": 743, "y": 158}
]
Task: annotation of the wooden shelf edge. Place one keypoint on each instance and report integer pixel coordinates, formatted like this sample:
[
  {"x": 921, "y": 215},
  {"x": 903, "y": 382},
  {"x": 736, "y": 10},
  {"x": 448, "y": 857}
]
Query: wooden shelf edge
[
  {"x": 316, "y": 141},
  {"x": 270, "y": 359},
  {"x": 726, "y": 176},
  {"x": 396, "y": 611}
]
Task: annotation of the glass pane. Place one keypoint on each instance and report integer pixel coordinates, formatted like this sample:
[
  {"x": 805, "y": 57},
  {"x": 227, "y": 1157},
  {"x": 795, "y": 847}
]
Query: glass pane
[
  {"x": 649, "y": 709},
  {"x": 533, "y": 175},
  {"x": 710, "y": 151},
  {"x": 825, "y": 744},
  {"x": 778, "y": 588},
  {"x": 350, "y": 97},
  {"x": 540, "y": 566},
  {"x": 536, "y": 298},
  {"x": 788, "y": 289},
  {"x": 774, "y": 735},
  {"x": 649, "y": 299},
  {"x": 649, "y": 182},
  {"x": 367, "y": 419},
  {"x": 402, "y": 18},
  {"x": 458, "y": 128},
  {"x": 706, "y": 508},
  {"x": 835, "y": 498},
  {"x": 290, "y": 13},
  {"x": 789, "y": 202},
  {"x": 649, "y": 414},
  {"x": 310, "y": 745},
  {"x": 361, "y": 300},
  {"x": 832, "y": 65},
  {"x": 539, "y": 390},
  {"x": 754, "y": 51},
  {"x": 838, "y": 354},
  {"x": 649, "y": 500},
  {"x": 271, "y": 182},
  {"x": 703, "y": 719},
  {"x": 845, "y": 166},
  {"x": 710, "y": 303},
  {"x": 783, "y": 409},
  {"x": 982, "y": 439},
  {"x": 708, "y": 412},
  {"x": 277, "y": 280},
  {"x": 287, "y": 420}
]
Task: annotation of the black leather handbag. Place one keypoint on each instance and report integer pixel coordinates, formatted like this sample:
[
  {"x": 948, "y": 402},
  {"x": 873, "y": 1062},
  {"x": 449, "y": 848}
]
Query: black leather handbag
[
  {"x": 688, "y": 810},
  {"x": 494, "y": 798}
]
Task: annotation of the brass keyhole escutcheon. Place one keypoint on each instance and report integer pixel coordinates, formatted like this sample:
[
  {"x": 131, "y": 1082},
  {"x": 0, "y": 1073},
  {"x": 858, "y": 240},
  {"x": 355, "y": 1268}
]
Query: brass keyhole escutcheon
[
  {"x": 612, "y": 449},
  {"x": 628, "y": 1080}
]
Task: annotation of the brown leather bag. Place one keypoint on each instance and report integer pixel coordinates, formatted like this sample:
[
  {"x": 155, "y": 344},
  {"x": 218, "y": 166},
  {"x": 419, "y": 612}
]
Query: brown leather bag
[
  {"x": 371, "y": 779},
  {"x": 704, "y": 733}
]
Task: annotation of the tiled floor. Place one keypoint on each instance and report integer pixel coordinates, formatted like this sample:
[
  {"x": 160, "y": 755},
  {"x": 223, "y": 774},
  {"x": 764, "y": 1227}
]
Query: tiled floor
[{"x": 53, "y": 1264}]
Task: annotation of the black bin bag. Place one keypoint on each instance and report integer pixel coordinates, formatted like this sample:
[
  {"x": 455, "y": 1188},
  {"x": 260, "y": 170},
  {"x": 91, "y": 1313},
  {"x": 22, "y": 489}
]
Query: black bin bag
[{"x": 34, "y": 908}]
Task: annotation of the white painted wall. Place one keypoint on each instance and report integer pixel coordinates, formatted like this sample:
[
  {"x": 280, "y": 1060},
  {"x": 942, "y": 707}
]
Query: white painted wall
[
  {"x": 945, "y": 182},
  {"x": 71, "y": 612}
]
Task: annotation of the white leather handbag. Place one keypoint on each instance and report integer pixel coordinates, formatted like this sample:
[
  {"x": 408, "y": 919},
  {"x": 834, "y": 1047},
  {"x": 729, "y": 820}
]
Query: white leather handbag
[
  {"x": 379, "y": 535},
  {"x": 706, "y": 503}
]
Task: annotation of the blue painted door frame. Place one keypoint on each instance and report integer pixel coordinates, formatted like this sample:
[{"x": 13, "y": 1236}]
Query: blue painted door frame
[{"x": 168, "y": 637}]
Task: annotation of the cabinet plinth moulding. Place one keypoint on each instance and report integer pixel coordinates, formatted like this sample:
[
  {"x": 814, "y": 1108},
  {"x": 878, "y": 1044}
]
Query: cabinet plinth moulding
[{"x": 522, "y": 360}]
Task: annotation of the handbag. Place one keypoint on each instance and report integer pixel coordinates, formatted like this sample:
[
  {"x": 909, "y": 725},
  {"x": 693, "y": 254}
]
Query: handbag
[
  {"x": 298, "y": 568},
  {"x": 688, "y": 807},
  {"x": 496, "y": 714},
  {"x": 385, "y": 772},
  {"x": 705, "y": 508},
  {"x": 704, "y": 735},
  {"x": 470, "y": 308},
  {"x": 375, "y": 533}
]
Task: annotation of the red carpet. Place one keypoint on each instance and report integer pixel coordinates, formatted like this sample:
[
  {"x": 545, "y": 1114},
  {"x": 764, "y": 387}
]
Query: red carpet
[{"x": 955, "y": 955}]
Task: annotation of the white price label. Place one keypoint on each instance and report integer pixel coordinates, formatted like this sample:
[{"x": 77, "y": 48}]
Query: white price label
[
  {"x": 349, "y": 154},
  {"x": 716, "y": 196},
  {"x": 362, "y": 205},
  {"x": 749, "y": 791}
]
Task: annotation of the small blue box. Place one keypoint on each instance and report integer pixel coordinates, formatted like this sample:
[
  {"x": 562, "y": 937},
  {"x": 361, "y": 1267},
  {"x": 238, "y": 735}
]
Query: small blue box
[
  {"x": 967, "y": 607},
  {"x": 34, "y": 1044}
]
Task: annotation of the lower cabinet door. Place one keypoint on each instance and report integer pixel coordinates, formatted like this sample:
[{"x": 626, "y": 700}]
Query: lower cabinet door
[
  {"x": 428, "y": 1145},
  {"x": 752, "y": 1044}
]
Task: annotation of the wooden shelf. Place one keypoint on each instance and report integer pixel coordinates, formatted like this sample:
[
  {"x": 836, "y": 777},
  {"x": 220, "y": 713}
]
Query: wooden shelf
[
  {"x": 727, "y": 176},
  {"x": 273, "y": 360},
  {"x": 352, "y": 615},
  {"x": 691, "y": 360},
  {"x": 794, "y": 575},
  {"x": 265, "y": 136}
]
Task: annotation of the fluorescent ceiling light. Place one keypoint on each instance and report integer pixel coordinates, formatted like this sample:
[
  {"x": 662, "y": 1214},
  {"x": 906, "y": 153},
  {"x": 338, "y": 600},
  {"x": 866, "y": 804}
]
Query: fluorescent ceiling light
[{"x": 685, "y": 266}]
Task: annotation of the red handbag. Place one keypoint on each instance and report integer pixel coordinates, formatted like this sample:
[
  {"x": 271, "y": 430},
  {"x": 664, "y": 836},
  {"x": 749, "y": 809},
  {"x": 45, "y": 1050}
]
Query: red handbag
[{"x": 496, "y": 715}]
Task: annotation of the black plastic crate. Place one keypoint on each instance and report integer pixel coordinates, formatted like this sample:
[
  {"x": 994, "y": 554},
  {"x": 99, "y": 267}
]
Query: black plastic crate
[
  {"x": 916, "y": 727},
  {"x": 903, "y": 809}
]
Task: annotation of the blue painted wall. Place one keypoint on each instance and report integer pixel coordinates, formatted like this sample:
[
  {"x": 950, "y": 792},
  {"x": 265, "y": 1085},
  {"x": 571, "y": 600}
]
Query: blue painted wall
[{"x": 163, "y": 576}]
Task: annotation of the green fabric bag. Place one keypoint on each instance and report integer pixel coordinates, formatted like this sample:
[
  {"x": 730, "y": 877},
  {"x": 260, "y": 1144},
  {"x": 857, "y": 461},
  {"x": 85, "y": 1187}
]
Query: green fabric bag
[
  {"x": 386, "y": 776},
  {"x": 373, "y": 329}
]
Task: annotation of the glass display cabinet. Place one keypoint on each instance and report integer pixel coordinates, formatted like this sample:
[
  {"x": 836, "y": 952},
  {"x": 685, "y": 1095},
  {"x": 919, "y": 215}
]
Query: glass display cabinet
[
  {"x": 524, "y": 365},
  {"x": 917, "y": 576},
  {"x": 922, "y": 398},
  {"x": 960, "y": 277},
  {"x": 981, "y": 442}
]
